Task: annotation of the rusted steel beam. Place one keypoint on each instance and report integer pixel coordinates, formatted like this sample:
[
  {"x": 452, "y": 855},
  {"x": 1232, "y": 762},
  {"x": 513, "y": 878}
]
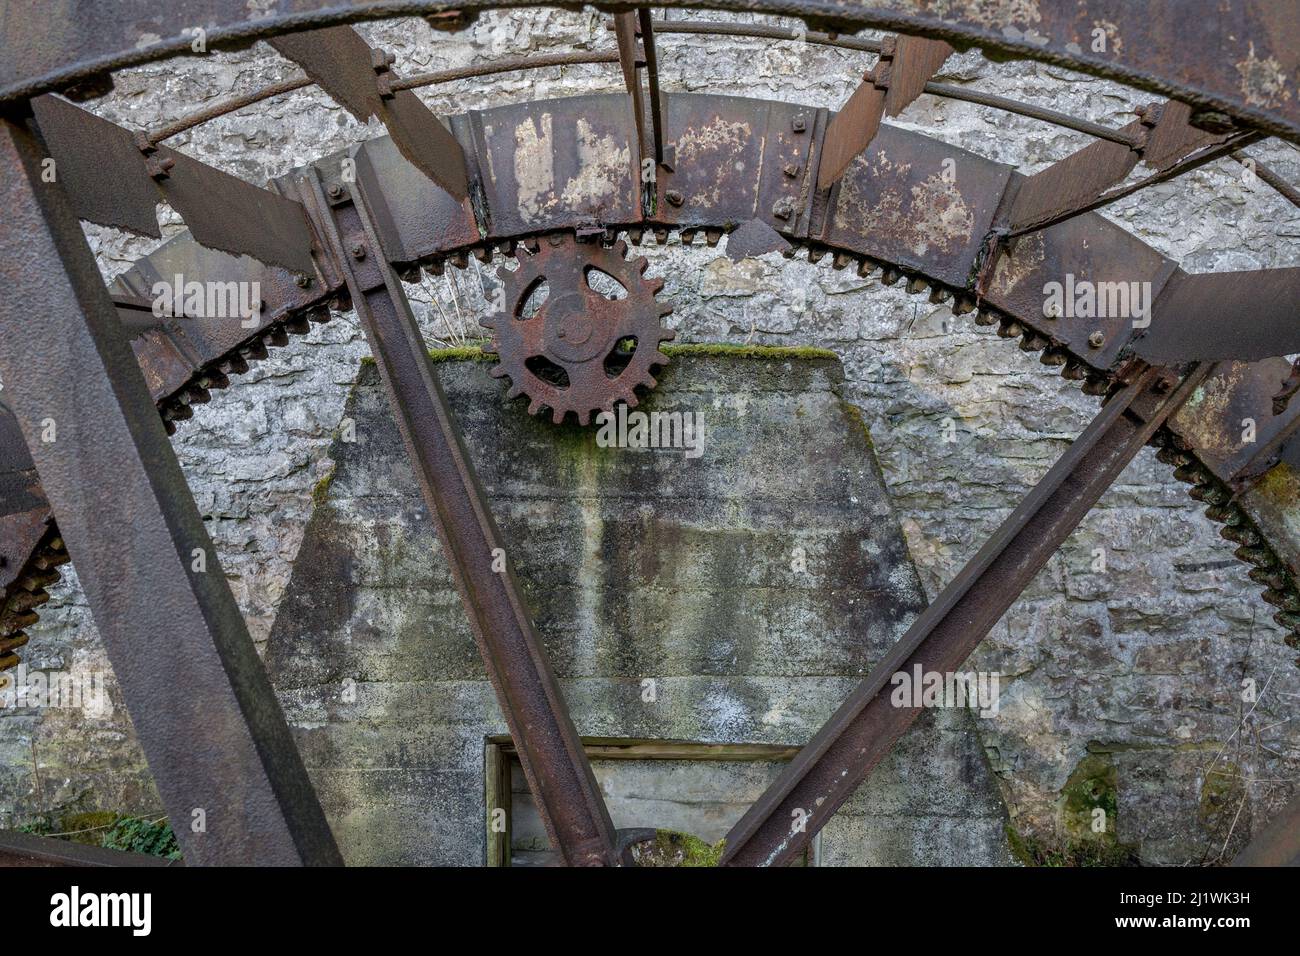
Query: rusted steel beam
[
  {"x": 116, "y": 178},
  {"x": 361, "y": 79},
  {"x": 25, "y": 849},
  {"x": 845, "y": 751},
  {"x": 1278, "y": 844},
  {"x": 1161, "y": 138},
  {"x": 226, "y": 766},
  {"x": 1196, "y": 160},
  {"x": 550, "y": 751},
  {"x": 899, "y": 77},
  {"x": 1224, "y": 315}
]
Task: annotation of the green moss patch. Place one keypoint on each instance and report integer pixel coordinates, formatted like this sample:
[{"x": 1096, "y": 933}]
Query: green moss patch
[{"x": 670, "y": 848}]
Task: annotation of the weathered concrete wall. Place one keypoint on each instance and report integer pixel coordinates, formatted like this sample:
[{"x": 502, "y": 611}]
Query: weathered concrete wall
[
  {"x": 1141, "y": 664},
  {"x": 639, "y": 565}
]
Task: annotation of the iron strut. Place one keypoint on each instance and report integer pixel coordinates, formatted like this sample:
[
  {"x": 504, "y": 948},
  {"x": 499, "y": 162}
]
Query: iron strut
[
  {"x": 554, "y": 762},
  {"x": 843, "y": 753}
]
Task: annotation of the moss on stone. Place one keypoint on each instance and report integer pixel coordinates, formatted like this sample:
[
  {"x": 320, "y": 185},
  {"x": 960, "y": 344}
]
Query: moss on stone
[
  {"x": 1221, "y": 794},
  {"x": 726, "y": 350},
  {"x": 1093, "y": 785},
  {"x": 321, "y": 490},
  {"x": 1031, "y": 851},
  {"x": 462, "y": 353},
  {"x": 475, "y": 353},
  {"x": 671, "y": 848}
]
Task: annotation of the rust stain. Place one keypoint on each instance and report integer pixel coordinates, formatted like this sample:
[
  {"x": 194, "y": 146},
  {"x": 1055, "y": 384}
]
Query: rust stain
[
  {"x": 1201, "y": 419},
  {"x": 719, "y": 144},
  {"x": 534, "y": 166},
  {"x": 1263, "y": 82},
  {"x": 602, "y": 166},
  {"x": 928, "y": 214},
  {"x": 1013, "y": 267}
]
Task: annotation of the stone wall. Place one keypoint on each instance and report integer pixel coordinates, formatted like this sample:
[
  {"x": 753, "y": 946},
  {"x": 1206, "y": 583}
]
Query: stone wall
[{"x": 1125, "y": 685}]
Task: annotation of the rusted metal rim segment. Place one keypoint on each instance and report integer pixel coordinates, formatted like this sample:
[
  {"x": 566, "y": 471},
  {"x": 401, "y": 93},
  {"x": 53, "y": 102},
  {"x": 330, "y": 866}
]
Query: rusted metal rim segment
[
  {"x": 743, "y": 160},
  {"x": 1239, "y": 58}
]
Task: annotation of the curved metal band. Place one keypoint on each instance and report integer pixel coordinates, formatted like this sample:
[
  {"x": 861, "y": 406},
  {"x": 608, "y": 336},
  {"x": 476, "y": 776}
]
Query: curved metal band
[{"x": 1242, "y": 60}]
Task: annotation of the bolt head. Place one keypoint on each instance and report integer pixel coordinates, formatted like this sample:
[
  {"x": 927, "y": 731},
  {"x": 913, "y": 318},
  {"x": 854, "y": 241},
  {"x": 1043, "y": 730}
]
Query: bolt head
[
  {"x": 1097, "y": 339},
  {"x": 782, "y": 209},
  {"x": 799, "y": 124},
  {"x": 359, "y": 251},
  {"x": 792, "y": 170},
  {"x": 335, "y": 191},
  {"x": 674, "y": 197},
  {"x": 304, "y": 281}
]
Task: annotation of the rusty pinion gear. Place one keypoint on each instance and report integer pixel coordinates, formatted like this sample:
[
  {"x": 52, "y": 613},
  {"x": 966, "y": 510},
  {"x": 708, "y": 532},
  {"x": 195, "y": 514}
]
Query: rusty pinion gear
[{"x": 580, "y": 351}]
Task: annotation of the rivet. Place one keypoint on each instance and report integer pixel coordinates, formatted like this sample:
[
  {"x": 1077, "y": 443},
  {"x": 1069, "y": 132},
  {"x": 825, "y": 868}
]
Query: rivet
[
  {"x": 359, "y": 251},
  {"x": 674, "y": 197},
  {"x": 799, "y": 124},
  {"x": 1097, "y": 339},
  {"x": 792, "y": 170}
]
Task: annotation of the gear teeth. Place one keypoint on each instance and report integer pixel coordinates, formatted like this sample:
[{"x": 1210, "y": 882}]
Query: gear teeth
[
  {"x": 939, "y": 295},
  {"x": 482, "y": 253},
  {"x": 841, "y": 261},
  {"x": 499, "y": 371},
  {"x": 1010, "y": 329},
  {"x": 661, "y": 236},
  {"x": 865, "y": 268},
  {"x": 1054, "y": 358},
  {"x": 916, "y": 285},
  {"x": 1259, "y": 557},
  {"x": 557, "y": 416},
  {"x": 435, "y": 268},
  {"x": 1096, "y": 385},
  {"x": 620, "y": 249},
  {"x": 634, "y": 236},
  {"x": 712, "y": 237},
  {"x": 687, "y": 236},
  {"x": 963, "y": 304},
  {"x": 514, "y": 391},
  {"x": 986, "y": 317},
  {"x": 1033, "y": 342},
  {"x": 889, "y": 275}
]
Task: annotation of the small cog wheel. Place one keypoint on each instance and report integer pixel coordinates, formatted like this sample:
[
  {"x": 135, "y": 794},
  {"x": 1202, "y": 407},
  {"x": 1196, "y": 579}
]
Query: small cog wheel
[{"x": 581, "y": 327}]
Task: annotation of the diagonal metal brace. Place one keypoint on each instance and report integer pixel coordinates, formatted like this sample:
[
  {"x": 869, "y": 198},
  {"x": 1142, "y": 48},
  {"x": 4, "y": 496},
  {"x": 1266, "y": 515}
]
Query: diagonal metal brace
[
  {"x": 554, "y": 762},
  {"x": 226, "y": 766},
  {"x": 844, "y": 752}
]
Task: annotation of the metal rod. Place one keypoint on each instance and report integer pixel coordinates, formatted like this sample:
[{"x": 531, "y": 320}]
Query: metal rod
[
  {"x": 652, "y": 80},
  {"x": 766, "y": 32},
  {"x": 558, "y": 771},
  {"x": 230, "y": 776},
  {"x": 1042, "y": 113},
  {"x": 1270, "y": 177},
  {"x": 843, "y": 753},
  {"x": 510, "y": 65}
]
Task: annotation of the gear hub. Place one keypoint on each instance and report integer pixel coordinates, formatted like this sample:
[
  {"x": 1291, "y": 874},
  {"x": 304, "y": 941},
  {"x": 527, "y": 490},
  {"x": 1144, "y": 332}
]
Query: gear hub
[{"x": 581, "y": 327}]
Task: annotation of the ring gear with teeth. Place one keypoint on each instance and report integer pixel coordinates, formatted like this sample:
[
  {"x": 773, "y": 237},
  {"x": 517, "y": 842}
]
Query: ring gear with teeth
[{"x": 572, "y": 354}]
